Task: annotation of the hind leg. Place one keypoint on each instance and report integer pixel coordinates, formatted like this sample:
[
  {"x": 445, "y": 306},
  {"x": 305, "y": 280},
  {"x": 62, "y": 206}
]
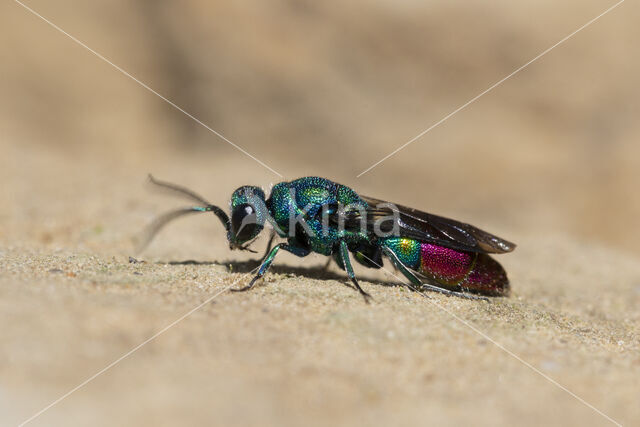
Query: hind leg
[{"x": 420, "y": 285}]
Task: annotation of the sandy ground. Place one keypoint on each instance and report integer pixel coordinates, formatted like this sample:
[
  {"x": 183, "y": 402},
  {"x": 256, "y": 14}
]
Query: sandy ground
[
  {"x": 303, "y": 350},
  {"x": 548, "y": 160}
]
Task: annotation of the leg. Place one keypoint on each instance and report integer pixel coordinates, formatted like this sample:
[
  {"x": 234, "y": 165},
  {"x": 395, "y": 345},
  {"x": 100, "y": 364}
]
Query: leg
[
  {"x": 269, "y": 245},
  {"x": 301, "y": 252},
  {"x": 346, "y": 262},
  {"x": 418, "y": 284},
  {"x": 368, "y": 255}
]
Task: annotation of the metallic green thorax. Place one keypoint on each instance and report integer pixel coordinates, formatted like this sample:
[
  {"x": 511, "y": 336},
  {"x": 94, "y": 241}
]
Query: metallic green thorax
[{"x": 306, "y": 198}]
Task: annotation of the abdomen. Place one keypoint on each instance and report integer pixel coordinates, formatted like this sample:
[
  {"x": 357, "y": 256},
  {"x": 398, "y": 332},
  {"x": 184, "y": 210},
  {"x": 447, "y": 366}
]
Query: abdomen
[{"x": 450, "y": 268}]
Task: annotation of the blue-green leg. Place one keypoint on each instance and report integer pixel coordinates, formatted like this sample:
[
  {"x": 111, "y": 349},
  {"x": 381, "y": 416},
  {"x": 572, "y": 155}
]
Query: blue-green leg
[
  {"x": 296, "y": 250},
  {"x": 420, "y": 285},
  {"x": 269, "y": 246},
  {"x": 346, "y": 262}
]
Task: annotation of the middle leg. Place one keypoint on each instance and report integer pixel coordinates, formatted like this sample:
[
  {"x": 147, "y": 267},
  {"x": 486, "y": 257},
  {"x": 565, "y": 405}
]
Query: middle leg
[{"x": 346, "y": 262}]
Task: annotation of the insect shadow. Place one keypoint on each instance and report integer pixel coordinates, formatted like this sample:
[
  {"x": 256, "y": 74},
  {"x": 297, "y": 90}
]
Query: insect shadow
[{"x": 318, "y": 272}]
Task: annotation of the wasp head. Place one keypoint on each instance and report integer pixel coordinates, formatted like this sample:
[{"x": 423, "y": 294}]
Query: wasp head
[{"x": 248, "y": 215}]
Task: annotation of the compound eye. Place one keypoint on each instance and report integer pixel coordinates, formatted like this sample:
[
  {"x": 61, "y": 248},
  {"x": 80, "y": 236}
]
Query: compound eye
[{"x": 244, "y": 222}]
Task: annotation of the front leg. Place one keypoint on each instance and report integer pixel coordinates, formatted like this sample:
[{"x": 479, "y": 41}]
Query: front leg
[
  {"x": 296, "y": 250},
  {"x": 267, "y": 250}
]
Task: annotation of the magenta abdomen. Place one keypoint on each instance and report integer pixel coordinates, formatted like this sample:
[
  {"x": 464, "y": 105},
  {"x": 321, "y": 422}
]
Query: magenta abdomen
[{"x": 461, "y": 270}]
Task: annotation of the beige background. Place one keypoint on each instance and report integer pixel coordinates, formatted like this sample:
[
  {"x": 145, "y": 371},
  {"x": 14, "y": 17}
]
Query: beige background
[{"x": 549, "y": 160}]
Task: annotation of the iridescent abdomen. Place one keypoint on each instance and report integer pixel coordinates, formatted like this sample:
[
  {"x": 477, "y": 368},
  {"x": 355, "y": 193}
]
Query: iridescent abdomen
[
  {"x": 450, "y": 268},
  {"x": 461, "y": 270}
]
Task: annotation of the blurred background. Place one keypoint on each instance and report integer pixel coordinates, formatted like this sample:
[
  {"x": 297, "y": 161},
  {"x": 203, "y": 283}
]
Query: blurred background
[{"x": 323, "y": 88}]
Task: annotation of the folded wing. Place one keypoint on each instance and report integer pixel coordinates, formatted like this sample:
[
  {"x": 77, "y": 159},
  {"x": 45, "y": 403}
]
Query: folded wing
[{"x": 426, "y": 227}]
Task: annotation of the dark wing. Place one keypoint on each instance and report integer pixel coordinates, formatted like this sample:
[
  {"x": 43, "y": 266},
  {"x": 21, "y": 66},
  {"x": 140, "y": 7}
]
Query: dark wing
[{"x": 430, "y": 228}]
